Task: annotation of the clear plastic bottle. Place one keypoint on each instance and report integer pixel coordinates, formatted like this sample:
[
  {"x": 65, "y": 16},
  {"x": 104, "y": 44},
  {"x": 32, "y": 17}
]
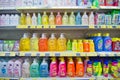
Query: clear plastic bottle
[
  {"x": 72, "y": 19},
  {"x": 44, "y": 19},
  {"x": 84, "y": 19},
  {"x": 51, "y": 19},
  {"x": 34, "y": 19},
  {"x": 28, "y": 19},
  {"x": 65, "y": 19}
]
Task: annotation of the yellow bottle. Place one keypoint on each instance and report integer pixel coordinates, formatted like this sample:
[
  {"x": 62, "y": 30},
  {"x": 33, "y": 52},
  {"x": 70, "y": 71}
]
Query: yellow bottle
[
  {"x": 80, "y": 46},
  {"x": 28, "y": 19},
  {"x": 52, "y": 43},
  {"x": 25, "y": 43},
  {"x": 34, "y": 42},
  {"x": 74, "y": 46},
  {"x": 45, "y": 19},
  {"x": 22, "y": 19},
  {"x": 91, "y": 46},
  {"x": 61, "y": 43}
]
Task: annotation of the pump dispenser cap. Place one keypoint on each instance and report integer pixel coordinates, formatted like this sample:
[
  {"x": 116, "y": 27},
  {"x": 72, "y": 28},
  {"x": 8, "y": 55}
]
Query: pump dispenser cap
[
  {"x": 25, "y": 35},
  {"x": 34, "y": 35},
  {"x": 65, "y": 13},
  {"x": 44, "y": 13},
  {"x": 43, "y": 35},
  {"x": 62, "y": 35},
  {"x": 53, "y": 35}
]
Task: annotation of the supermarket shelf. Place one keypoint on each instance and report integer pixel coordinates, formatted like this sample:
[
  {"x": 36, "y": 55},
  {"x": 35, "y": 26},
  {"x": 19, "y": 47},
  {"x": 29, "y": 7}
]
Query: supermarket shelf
[
  {"x": 8, "y": 54},
  {"x": 110, "y": 7},
  {"x": 8, "y": 78}
]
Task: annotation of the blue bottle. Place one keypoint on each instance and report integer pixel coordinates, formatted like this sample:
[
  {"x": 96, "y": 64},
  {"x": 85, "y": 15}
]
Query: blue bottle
[
  {"x": 98, "y": 41},
  {"x": 78, "y": 19},
  {"x": 107, "y": 42},
  {"x": 44, "y": 69}
]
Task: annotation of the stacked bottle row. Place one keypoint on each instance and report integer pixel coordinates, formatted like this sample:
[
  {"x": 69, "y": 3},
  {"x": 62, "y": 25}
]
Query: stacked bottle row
[
  {"x": 62, "y": 67},
  {"x": 91, "y": 19},
  {"x": 81, "y": 3}
]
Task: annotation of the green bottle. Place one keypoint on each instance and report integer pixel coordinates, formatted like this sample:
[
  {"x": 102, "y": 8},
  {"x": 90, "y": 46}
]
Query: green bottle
[
  {"x": 39, "y": 21},
  {"x": 69, "y": 45},
  {"x": 96, "y": 3}
]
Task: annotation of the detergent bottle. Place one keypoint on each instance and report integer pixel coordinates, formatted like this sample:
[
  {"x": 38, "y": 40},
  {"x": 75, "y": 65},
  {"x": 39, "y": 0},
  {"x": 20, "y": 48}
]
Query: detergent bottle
[
  {"x": 96, "y": 3},
  {"x": 51, "y": 19},
  {"x": 22, "y": 19},
  {"x": 98, "y": 41},
  {"x": 86, "y": 46},
  {"x": 10, "y": 68},
  {"x": 91, "y": 45},
  {"x": 85, "y": 19},
  {"x": 34, "y": 42},
  {"x": 34, "y": 19},
  {"x": 53, "y": 67},
  {"x": 25, "y": 43},
  {"x": 62, "y": 68},
  {"x": 100, "y": 68},
  {"x": 69, "y": 45},
  {"x": 79, "y": 68},
  {"x": 70, "y": 67},
  {"x": 58, "y": 19},
  {"x": 80, "y": 46},
  {"x": 85, "y": 64},
  {"x": 102, "y": 2},
  {"x": 89, "y": 69},
  {"x": 109, "y": 2},
  {"x": 95, "y": 68},
  {"x": 74, "y": 46},
  {"x": 61, "y": 43},
  {"x": 72, "y": 19},
  {"x": 78, "y": 19},
  {"x": 4, "y": 72},
  {"x": 107, "y": 42},
  {"x": 106, "y": 68},
  {"x": 91, "y": 19},
  {"x": 65, "y": 19},
  {"x": 114, "y": 68},
  {"x": 44, "y": 19},
  {"x": 34, "y": 69},
  {"x": 28, "y": 19},
  {"x": 43, "y": 43},
  {"x": 39, "y": 19},
  {"x": 52, "y": 43},
  {"x": 44, "y": 68},
  {"x": 26, "y": 69}
]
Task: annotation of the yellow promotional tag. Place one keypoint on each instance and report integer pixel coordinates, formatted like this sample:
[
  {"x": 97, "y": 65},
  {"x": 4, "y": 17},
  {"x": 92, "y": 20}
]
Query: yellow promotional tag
[
  {"x": 33, "y": 27},
  {"x": 12, "y": 53},
  {"x": 91, "y": 26},
  {"x": 118, "y": 26},
  {"x": 39, "y": 26},
  {"x": 34, "y": 79},
  {"x": 52, "y": 26},
  {"x": 2, "y": 54},
  {"x": 46, "y": 26},
  {"x": 42, "y": 54},
  {"x": 103, "y": 26},
  {"x": 22, "y": 54},
  {"x": 22, "y": 79},
  {"x": 22, "y": 26},
  {"x": 109, "y": 26}
]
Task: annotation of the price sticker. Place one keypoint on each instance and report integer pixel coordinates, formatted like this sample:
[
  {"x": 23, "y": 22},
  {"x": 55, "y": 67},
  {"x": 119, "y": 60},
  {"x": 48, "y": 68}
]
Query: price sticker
[
  {"x": 33, "y": 27},
  {"x": 7, "y": 54},
  {"x": 22, "y": 26},
  {"x": 37, "y": 54},
  {"x": 12, "y": 54},
  {"x": 103, "y": 26},
  {"x": 2, "y": 54},
  {"x": 46, "y": 26},
  {"x": 109, "y": 26},
  {"x": 52, "y": 26},
  {"x": 47, "y": 54},
  {"x": 91, "y": 26},
  {"x": 77, "y": 54},
  {"x": 118, "y": 26},
  {"x": 57, "y": 54},
  {"x": 39, "y": 26},
  {"x": 27, "y": 54}
]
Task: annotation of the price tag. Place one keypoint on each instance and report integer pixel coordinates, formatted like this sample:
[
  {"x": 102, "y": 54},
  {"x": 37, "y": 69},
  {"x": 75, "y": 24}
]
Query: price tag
[
  {"x": 34, "y": 79},
  {"x": 7, "y": 54},
  {"x": 12, "y": 54},
  {"x": 91, "y": 79},
  {"x": 22, "y": 79},
  {"x": 40, "y": 26},
  {"x": 47, "y": 54},
  {"x": 52, "y": 26},
  {"x": 93, "y": 7},
  {"x": 54, "y": 79},
  {"x": 2, "y": 54},
  {"x": 27, "y": 54},
  {"x": 77, "y": 54},
  {"x": 118, "y": 26},
  {"x": 57, "y": 54},
  {"x": 46, "y": 26},
  {"x": 109, "y": 26},
  {"x": 91, "y": 26},
  {"x": 33, "y": 27},
  {"x": 103, "y": 26},
  {"x": 37, "y": 54},
  {"x": 22, "y": 26}
]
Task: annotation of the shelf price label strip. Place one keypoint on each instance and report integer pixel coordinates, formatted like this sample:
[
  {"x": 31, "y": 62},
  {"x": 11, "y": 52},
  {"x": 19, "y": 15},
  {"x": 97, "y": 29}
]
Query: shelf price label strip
[{"x": 22, "y": 26}]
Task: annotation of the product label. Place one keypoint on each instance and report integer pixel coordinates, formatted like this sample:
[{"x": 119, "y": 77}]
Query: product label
[
  {"x": 10, "y": 70},
  {"x": 53, "y": 70},
  {"x": 17, "y": 70},
  {"x": 89, "y": 70},
  {"x": 100, "y": 45},
  {"x": 101, "y": 2},
  {"x": 117, "y": 46},
  {"x": 108, "y": 44},
  {"x": 62, "y": 70}
]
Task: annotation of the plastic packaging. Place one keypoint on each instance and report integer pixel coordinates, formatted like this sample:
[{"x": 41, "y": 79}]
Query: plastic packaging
[
  {"x": 85, "y": 19},
  {"x": 51, "y": 19},
  {"x": 74, "y": 46},
  {"x": 34, "y": 19},
  {"x": 86, "y": 47},
  {"x": 78, "y": 19},
  {"x": 39, "y": 19},
  {"x": 65, "y": 19},
  {"x": 80, "y": 46},
  {"x": 45, "y": 19},
  {"x": 69, "y": 45},
  {"x": 72, "y": 19},
  {"x": 58, "y": 19}
]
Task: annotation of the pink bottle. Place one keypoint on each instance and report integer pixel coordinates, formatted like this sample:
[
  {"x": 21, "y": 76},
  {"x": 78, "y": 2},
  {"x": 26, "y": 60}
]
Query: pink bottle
[
  {"x": 115, "y": 2},
  {"x": 109, "y": 2},
  {"x": 62, "y": 68},
  {"x": 53, "y": 68},
  {"x": 58, "y": 19}
]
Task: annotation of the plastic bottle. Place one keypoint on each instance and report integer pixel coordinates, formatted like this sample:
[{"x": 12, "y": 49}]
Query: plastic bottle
[
  {"x": 102, "y": 2},
  {"x": 52, "y": 43},
  {"x": 80, "y": 3},
  {"x": 35, "y": 3},
  {"x": 53, "y": 67},
  {"x": 58, "y": 19},
  {"x": 29, "y": 2},
  {"x": 25, "y": 43},
  {"x": 34, "y": 42},
  {"x": 44, "y": 69},
  {"x": 72, "y": 19},
  {"x": 26, "y": 69},
  {"x": 10, "y": 68},
  {"x": 89, "y": 4},
  {"x": 43, "y": 43},
  {"x": 114, "y": 69},
  {"x": 51, "y": 19},
  {"x": 16, "y": 19},
  {"x": 79, "y": 68},
  {"x": 22, "y": 19},
  {"x": 34, "y": 19},
  {"x": 61, "y": 43},
  {"x": 18, "y": 68},
  {"x": 39, "y": 19},
  {"x": 45, "y": 19},
  {"x": 65, "y": 19},
  {"x": 74, "y": 46},
  {"x": 85, "y": 19},
  {"x": 108, "y": 19},
  {"x": 69, "y": 45},
  {"x": 70, "y": 68},
  {"x": 91, "y": 46},
  {"x": 2, "y": 19},
  {"x": 4, "y": 72},
  {"x": 34, "y": 69},
  {"x": 115, "y": 44},
  {"x": 62, "y": 68},
  {"x": 107, "y": 42},
  {"x": 89, "y": 69},
  {"x": 78, "y": 19},
  {"x": 7, "y": 19},
  {"x": 109, "y": 2},
  {"x": 28, "y": 19},
  {"x": 80, "y": 46},
  {"x": 91, "y": 19},
  {"x": 106, "y": 68},
  {"x": 96, "y": 3},
  {"x": 98, "y": 41},
  {"x": 86, "y": 46}
]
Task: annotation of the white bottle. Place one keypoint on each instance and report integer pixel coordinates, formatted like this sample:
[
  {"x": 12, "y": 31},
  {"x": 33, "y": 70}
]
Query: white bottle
[
  {"x": 16, "y": 19},
  {"x": 7, "y": 19},
  {"x": 2, "y": 19},
  {"x": 35, "y": 2},
  {"x": 91, "y": 19},
  {"x": 34, "y": 19},
  {"x": 24, "y": 3},
  {"x": 4, "y": 69},
  {"x": 26, "y": 68},
  {"x": 12, "y": 20},
  {"x": 84, "y": 19},
  {"x": 10, "y": 68},
  {"x": 29, "y": 2}
]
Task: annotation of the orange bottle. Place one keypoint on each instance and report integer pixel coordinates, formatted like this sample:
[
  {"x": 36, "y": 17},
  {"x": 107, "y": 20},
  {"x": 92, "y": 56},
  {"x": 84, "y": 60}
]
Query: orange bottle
[
  {"x": 43, "y": 43},
  {"x": 58, "y": 19},
  {"x": 79, "y": 68},
  {"x": 86, "y": 47},
  {"x": 70, "y": 68}
]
